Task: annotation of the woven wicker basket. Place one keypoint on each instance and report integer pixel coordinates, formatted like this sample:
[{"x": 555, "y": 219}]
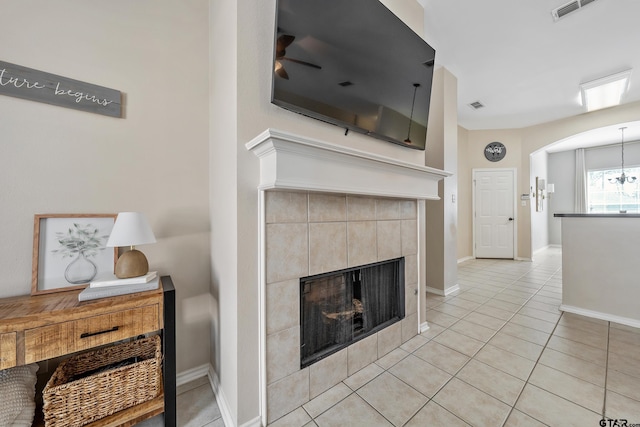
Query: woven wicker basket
[{"x": 74, "y": 403}]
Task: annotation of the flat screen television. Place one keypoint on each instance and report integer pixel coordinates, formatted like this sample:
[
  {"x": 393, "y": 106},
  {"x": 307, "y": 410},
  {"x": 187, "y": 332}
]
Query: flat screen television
[{"x": 354, "y": 64}]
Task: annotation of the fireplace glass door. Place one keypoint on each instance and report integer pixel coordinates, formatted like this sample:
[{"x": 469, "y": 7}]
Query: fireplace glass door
[{"x": 344, "y": 306}]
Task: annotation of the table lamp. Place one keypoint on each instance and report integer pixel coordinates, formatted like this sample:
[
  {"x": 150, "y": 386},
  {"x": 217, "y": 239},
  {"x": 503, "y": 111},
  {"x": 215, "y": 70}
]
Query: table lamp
[{"x": 130, "y": 229}]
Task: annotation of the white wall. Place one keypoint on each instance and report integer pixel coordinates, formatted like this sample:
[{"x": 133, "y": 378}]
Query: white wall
[
  {"x": 59, "y": 160},
  {"x": 539, "y": 218},
  {"x": 600, "y": 268},
  {"x": 242, "y": 35},
  {"x": 471, "y": 156},
  {"x": 521, "y": 143},
  {"x": 222, "y": 197},
  {"x": 609, "y": 157},
  {"x": 561, "y": 172},
  {"x": 442, "y": 215},
  {"x": 464, "y": 197},
  {"x": 536, "y": 137}
]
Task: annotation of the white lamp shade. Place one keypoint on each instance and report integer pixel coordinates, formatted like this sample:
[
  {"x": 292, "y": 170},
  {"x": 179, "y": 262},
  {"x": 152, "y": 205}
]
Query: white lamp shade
[{"x": 130, "y": 229}]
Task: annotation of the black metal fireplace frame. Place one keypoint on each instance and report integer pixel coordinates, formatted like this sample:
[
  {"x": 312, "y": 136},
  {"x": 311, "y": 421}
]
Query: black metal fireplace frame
[{"x": 304, "y": 362}]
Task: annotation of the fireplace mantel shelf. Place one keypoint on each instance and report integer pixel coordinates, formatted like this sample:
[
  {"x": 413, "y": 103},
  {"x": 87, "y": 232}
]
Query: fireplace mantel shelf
[{"x": 292, "y": 162}]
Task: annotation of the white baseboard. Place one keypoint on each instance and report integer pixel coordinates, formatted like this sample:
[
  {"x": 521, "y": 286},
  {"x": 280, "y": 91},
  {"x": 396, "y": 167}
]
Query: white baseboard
[
  {"x": 442, "y": 293},
  {"x": 207, "y": 371},
  {"x": 452, "y": 289},
  {"x": 537, "y": 251},
  {"x": 256, "y": 422},
  {"x": 192, "y": 374},
  {"x": 467, "y": 258},
  {"x": 424, "y": 327},
  {"x": 523, "y": 259},
  {"x": 431, "y": 290},
  {"x": 221, "y": 400},
  {"x": 599, "y": 315}
]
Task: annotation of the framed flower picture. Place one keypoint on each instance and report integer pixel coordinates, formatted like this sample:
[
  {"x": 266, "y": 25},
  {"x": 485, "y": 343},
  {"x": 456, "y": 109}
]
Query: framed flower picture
[{"x": 69, "y": 250}]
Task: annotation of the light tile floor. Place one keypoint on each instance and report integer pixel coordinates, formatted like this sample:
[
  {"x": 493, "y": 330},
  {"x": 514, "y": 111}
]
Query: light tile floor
[
  {"x": 196, "y": 406},
  {"x": 498, "y": 353}
]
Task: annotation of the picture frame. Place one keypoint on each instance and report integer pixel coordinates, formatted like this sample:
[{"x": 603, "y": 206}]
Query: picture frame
[{"x": 69, "y": 250}]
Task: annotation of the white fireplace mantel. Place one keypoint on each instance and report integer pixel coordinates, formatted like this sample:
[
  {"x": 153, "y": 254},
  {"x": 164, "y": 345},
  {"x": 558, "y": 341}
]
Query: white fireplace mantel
[{"x": 292, "y": 162}]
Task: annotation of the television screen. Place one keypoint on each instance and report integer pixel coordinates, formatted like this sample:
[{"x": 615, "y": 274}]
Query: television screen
[{"x": 355, "y": 64}]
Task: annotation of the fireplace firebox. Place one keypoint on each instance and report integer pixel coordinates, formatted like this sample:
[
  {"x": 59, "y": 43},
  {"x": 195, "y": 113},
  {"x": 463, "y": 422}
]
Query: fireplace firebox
[{"x": 341, "y": 307}]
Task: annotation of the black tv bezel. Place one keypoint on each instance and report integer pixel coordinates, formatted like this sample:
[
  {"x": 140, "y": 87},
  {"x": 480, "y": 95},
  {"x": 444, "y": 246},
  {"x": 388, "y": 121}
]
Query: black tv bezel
[{"x": 336, "y": 122}]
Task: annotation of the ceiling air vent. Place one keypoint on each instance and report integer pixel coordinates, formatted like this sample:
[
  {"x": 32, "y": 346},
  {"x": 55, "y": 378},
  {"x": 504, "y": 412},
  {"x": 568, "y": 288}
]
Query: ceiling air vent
[
  {"x": 566, "y": 9},
  {"x": 476, "y": 105}
]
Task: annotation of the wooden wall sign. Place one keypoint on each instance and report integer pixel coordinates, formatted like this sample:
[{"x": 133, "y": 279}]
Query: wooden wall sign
[{"x": 34, "y": 85}]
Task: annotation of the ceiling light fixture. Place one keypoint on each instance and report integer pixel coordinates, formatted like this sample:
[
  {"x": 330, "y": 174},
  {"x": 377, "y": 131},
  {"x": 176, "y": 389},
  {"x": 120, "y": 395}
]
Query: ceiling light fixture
[
  {"x": 622, "y": 178},
  {"x": 605, "y": 92}
]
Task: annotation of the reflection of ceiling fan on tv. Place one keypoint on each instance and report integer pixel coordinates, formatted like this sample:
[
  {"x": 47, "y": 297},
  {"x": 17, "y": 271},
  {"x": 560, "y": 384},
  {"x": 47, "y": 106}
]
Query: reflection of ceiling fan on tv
[{"x": 281, "y": 45}]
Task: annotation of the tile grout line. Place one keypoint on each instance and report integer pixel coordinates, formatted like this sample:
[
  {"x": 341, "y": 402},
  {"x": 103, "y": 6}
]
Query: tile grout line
[
  {"x": 543, "y": 348},
  {"x": 495, "y": 333},
  {"x": 540, "y": 356},
  {"x": 534, "y": 367},
  {"x": 548, "y": 283},
  {"x": 429, "y": 399},
  {"x": 454, "y": 375}
]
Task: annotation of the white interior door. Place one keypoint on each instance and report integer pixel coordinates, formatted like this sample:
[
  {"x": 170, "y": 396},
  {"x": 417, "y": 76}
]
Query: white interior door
[{"x": 494, "y": 220}]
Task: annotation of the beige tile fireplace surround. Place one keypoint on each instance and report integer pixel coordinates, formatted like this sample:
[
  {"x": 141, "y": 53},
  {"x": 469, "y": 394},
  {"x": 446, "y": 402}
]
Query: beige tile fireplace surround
[
  {"x": 324, "y": 208},
  {"x": 311, "y": 233}
]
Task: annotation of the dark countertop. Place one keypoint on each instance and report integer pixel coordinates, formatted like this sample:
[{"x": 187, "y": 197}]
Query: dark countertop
[{"x": 586, "y": 215}]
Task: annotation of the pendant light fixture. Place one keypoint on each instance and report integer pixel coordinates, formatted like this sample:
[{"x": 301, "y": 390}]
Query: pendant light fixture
[
  {"x": 413, "y": 104},
  {"x": 622, "y": 178}
]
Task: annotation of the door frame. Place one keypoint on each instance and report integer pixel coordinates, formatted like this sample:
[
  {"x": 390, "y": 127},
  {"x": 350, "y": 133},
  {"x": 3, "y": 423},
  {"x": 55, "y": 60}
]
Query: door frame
[{"x": 514, "y": 174}]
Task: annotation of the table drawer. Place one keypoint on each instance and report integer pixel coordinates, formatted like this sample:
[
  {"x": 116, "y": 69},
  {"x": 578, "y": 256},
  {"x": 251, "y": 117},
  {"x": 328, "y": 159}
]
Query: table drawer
[
  {"x": 68, "y": 337},
  {"x": 7, "y": 350}
]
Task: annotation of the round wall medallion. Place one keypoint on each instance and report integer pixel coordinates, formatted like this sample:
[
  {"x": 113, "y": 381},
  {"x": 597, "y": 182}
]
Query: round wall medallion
[{"x": 495, "y": 151}]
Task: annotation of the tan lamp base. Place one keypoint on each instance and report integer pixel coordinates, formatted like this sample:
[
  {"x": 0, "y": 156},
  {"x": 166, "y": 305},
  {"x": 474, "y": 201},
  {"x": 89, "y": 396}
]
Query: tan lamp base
[{"x": 132, "y": 263}]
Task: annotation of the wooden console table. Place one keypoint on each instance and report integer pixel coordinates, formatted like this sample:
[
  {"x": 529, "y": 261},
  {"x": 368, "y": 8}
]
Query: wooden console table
[{"x": 41, "y": 327}]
